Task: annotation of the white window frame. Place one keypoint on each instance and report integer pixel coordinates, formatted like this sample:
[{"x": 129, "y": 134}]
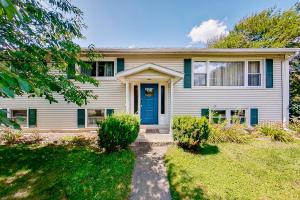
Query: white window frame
[
  {"x": 86, "y": 114},
  {"x": 261, "y": 69},
  {"x": 9, "y": 115},
  {"x": 208, "y": 70},
  {"x": 108, "y": 59},
  {"x": 228, "y": 114}
]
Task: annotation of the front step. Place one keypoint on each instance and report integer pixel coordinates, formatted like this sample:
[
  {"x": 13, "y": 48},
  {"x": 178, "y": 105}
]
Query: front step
[{"x": 154, "y": 129}]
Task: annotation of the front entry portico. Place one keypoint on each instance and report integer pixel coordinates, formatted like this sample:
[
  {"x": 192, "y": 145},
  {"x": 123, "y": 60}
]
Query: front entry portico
[{"x": 149, "y": 92}]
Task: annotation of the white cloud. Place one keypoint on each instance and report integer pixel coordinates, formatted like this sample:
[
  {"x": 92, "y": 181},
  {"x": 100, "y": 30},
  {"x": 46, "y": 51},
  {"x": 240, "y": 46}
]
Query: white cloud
[
  {"x": 208, "y": 30},
  {"x": 132, "y": 46}
]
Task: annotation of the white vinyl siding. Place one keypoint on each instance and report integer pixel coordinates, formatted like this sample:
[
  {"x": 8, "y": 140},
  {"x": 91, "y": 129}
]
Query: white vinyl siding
[
  {"x": 111, "y": 94},
  {"x": 267, "y": 100}
]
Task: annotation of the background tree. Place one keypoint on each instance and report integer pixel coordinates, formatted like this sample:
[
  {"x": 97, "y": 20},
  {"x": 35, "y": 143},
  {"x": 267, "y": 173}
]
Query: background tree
[
  {"x": 37, "y": 52},
  {"x": 266, "y": 29}
]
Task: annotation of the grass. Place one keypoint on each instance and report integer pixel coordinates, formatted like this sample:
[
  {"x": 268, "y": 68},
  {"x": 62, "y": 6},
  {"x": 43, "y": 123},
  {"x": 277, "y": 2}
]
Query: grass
[
  {"x": 258, "y": 170},
  {"x": 58, "y": 172}
]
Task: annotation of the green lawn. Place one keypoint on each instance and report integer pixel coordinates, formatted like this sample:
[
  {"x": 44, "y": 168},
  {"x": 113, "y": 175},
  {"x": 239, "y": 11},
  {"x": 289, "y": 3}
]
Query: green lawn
[
  {"x": 57, "y": 172},
  {"x": 259, "y": 170}
]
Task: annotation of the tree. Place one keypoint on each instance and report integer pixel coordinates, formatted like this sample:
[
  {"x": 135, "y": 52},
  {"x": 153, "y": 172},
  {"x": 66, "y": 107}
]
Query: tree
[
  {"x": 37, "y": 52},
  {"x": 266, "y": 29}
]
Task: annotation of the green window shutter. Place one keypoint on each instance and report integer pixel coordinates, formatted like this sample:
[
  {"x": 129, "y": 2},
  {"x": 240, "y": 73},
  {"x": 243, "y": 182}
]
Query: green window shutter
[
  {"x": 109, "y": 112},
  {"x": 253, "y": 116},
  {"x": 205, "y": 112},
  {"x": 32, "y": 118},
  {"x": 71, "y": 71},
  {"x": 187, "y": 83},
  {"x": 81, "y": 118},
  {"x": 120, "y": 64},
  {"x": 269, "y": 73},
  {"x": 4, "y": 112}
]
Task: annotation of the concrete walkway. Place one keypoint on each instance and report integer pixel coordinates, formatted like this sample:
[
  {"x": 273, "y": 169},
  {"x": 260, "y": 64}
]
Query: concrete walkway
[{"x": 149, "y": 176}]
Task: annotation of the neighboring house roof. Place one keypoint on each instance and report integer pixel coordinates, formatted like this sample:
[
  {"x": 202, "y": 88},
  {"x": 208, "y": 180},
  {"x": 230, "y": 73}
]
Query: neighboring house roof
[{"x": 289, "y": 51}]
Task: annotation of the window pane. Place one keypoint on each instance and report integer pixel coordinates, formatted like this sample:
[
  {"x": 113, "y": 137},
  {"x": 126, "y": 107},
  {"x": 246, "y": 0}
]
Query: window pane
[
  {"x": 19, "y": 116},
  {"x": 253, "y": 67},
  {"x": 218, "y": 116},
  {"x": 136, "y": 99},
  {"x": 93, "y": 70},
  {"x": 254, "y": 80},
  {"x": 227, "y": 73},
  {"x": 238, "y": 116},
  {"x": 200, "y": 67},
  {"x": 200, "y": 79},
  {"x": 149, "y": 92},
  {"x": 94, "y": 116},
  {"x": 106, "y": 68},
  {"x": 162, "y": 106}
]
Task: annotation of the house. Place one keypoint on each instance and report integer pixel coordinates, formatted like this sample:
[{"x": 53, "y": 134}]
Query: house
[{"x": 250, "y": 85}]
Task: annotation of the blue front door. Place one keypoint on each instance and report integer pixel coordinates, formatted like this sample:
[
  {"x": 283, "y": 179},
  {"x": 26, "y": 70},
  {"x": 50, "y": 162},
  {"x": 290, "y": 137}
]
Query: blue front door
[{"x": 149, "y": 103}]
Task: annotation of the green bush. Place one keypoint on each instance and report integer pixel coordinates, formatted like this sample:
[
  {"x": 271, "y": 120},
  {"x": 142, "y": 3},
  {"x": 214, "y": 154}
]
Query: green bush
[
  {"x": 190, "y": 132},
  {"x": 223, "y": 132},
  {"x": 275, "y": 131},
  {"x": 118, "y": 131}
]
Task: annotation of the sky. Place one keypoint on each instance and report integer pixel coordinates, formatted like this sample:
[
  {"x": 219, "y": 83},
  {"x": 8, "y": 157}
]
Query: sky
[{"x": 164, "y": 23}]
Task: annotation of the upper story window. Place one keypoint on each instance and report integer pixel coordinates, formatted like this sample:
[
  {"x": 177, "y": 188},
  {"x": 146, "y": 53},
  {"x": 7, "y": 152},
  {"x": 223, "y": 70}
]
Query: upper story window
[
  {"x": 254, "y": 73},
  {"x": 227, "y": 73},
  {"x": 100, "y": 69},
  {"x": 200, "y": 73}
]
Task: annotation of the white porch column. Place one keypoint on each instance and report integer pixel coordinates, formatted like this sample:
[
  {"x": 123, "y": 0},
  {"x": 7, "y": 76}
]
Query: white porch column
[
  {"x": 285, "y": 92},
  {"x": 171, "y": 106},
  {"x": 127, "y": 97}
]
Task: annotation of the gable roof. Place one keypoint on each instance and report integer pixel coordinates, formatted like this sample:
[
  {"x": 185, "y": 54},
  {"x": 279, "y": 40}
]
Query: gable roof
[{"x": 172, "y": 73}]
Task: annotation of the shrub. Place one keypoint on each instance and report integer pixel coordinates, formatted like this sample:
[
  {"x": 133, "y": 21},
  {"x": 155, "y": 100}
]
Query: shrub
[
  {"x": 35, "y": 136},
  {"x": 11, "y": 136},
  {"x": 76, "y": 140},
  {"x": 118, "y": 131},
  {"x": 190, "y": 132},
  {"x": 223, "y": 132},
  {"x": 275, "y": 131},
  {"x": 295, "y": 125}
]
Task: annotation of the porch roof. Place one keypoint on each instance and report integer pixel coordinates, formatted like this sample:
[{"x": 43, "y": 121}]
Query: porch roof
[{"x": 127, "y": 74}]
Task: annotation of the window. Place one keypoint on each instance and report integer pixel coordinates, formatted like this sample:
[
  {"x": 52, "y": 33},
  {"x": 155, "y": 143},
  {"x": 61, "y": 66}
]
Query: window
[
  {"x": 200, "y": 73},
  {"x": 227, "y": 73},
  {"x": 106, "y": 68},
  {"x": 94, "y": 115},
  {"x": 237, "y": 116},
  {"x": 19, "y": 116},
  {"x": 254, "y": 73},
  {"x": 218, "y": 116},
  {"x": 136, "y": 99},
  {"x": 149, "y": 92},
  {"x": 162, "y": 100},
  {"x": 100, "y": 69}
]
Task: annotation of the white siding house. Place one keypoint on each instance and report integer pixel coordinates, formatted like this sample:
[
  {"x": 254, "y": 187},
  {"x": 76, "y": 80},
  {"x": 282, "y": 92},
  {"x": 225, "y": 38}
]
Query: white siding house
[{"x": 156, "y": 84}]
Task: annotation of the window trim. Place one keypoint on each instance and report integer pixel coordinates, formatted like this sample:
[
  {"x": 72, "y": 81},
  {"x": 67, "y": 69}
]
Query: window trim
[
  {"x": 93, "y": 108},
  {"x": 228, "y": 114},
  {"x": 9, "y": 115},
  {"x": 208, "y": 70}
]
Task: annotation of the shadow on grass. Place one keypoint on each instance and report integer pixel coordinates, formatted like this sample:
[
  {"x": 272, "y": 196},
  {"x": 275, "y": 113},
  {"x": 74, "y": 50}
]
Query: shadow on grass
[
  {"x": 61, "y": 172},
  {"x": 180, "y": 184},
  {"x": 209, "y": 149}
]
